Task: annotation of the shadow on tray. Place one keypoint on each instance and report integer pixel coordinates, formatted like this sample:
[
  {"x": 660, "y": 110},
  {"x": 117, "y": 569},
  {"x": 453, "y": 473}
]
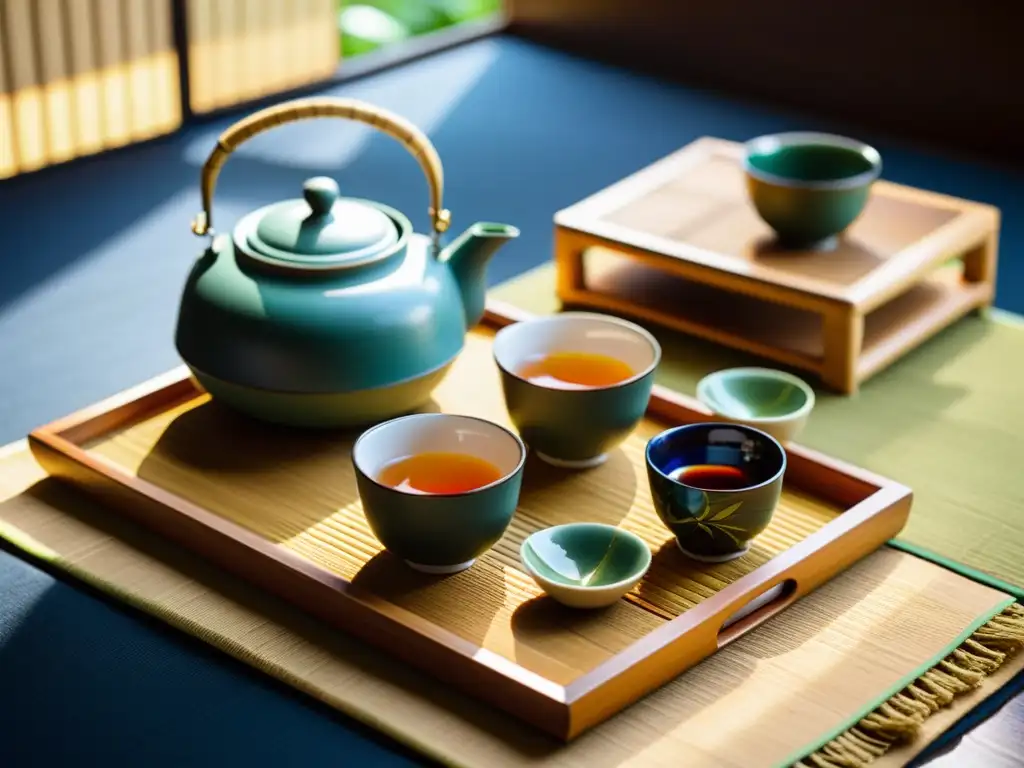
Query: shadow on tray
[
  {"x": 265, "y": 466},
  {"x": 212, "y": 437},
  {"x": 297, "y": 488}
]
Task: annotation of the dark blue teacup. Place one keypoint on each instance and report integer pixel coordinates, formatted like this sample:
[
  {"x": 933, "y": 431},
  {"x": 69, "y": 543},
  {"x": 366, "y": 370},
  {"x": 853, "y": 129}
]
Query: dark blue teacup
[{"x": 715, "y": 486}]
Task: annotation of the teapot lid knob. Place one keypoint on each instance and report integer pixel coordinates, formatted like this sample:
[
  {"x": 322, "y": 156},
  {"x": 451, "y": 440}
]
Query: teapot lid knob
[{"x": 321, "y": 192}]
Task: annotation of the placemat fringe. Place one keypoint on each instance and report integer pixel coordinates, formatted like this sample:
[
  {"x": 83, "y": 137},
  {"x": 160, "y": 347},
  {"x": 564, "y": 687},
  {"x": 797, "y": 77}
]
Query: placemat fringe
[{"x": 899, "y": 718}]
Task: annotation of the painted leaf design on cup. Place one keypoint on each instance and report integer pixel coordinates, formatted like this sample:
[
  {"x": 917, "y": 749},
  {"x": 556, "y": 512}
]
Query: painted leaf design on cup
[
  {"x": 711, "y": 520},
  {"x": 726, "y": 513}
]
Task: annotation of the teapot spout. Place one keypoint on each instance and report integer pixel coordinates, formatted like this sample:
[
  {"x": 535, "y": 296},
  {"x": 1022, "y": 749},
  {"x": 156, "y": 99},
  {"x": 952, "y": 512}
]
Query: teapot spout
[{"x": 467, "y": 258}]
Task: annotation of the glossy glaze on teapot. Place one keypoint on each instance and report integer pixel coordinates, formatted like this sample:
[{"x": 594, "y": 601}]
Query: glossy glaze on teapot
[{"x": 330, "y": 296}]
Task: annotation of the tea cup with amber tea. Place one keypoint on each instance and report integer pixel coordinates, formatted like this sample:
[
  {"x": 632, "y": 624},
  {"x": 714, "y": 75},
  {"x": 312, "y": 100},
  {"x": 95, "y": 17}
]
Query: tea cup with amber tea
[
  {"x": 715, "y": 486},
  {"x": 576, "y": 384},
  {"x": 438, "y": 490}
]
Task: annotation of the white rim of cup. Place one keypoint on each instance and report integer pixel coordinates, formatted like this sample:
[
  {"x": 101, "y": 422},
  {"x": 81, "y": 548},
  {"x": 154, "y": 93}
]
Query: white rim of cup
[
  {"x": 721, "y": 424},
  {"x": 773, "y": 141},
  {"x": 594, "y": 316},
  {"x": 391, "y": 422}
]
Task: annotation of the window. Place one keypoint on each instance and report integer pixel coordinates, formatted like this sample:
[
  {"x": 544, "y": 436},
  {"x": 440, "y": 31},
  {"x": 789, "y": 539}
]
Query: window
[{"x": 367, "y": 25}]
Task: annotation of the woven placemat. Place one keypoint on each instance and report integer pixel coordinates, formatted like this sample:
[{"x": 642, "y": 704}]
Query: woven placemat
[{"x": 769, "y": 699}]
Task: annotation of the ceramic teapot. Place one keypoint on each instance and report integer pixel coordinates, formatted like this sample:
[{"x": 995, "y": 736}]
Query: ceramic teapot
[{"x": 329, "y": 311}]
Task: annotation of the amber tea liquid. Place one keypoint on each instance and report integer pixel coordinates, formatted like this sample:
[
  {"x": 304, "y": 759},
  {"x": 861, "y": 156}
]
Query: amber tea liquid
[
  {"x": 713, "y": 477},
  {"x": 438, "y": 473},
  {"x": 575, "y": 370}
]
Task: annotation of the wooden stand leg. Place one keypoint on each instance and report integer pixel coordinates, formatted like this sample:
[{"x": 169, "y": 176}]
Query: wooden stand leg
[
  {"x": 569, "y": 276},
  {"x": 980, "y": 266},
  {"x": 843, "y": 336}
]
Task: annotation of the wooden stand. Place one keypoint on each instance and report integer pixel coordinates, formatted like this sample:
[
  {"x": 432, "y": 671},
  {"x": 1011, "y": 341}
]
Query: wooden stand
[{"x": 679, "y": 244}]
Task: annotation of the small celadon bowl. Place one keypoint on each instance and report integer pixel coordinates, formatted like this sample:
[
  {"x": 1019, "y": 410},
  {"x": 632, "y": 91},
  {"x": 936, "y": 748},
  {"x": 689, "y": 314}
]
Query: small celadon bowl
[
  {"x": 809, "y": 187},
  {"x": 773, "y": 401},
  {"x": 585, "y": 565},
  {"x": 576, "y": 428},
  {"x": 712, "y": 525},
  {"x": 438, "y": 533}
]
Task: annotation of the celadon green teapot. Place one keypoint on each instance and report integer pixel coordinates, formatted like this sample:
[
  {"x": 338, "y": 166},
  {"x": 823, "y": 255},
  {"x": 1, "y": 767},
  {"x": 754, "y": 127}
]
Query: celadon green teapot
[{"x": 329, "y": 311}]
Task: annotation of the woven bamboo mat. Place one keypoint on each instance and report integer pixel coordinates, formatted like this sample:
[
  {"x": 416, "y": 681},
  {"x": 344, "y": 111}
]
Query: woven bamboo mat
[{"x": 764, "y": 700}]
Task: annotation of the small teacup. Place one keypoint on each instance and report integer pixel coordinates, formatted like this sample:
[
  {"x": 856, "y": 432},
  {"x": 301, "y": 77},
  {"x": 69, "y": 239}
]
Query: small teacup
[
  {"x": 715, "y": 486},
  {"x": 776, "y": 402},
  {"x": 576, "y": 427},
  {"x": 585, "y": 565},
  {"x": 438, "y": 532}
]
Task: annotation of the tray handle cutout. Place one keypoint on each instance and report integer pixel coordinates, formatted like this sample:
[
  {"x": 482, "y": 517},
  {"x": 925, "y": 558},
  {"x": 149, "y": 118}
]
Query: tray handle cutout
[{"x": 759, "y": 609}]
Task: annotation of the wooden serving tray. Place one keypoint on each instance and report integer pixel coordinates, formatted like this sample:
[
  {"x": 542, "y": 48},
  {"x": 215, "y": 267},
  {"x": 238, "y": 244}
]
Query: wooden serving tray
[
  {"x": 280, "y": 508},
  {"x": 693, "y": 255}
]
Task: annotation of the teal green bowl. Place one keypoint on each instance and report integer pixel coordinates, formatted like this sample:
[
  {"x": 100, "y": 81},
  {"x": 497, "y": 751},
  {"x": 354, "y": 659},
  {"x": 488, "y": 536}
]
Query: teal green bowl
[
  {"x": 576, "y": 428},
  {"x": 438, "y": 533},
  {"x": 585, "y": 565},
  {"x": 775, "y": 402},
  {"x": 809, "y": 187}
]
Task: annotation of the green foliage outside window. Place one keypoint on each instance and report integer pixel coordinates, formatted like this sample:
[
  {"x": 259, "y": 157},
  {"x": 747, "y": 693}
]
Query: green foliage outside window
[{"x": 369, "y": 24}]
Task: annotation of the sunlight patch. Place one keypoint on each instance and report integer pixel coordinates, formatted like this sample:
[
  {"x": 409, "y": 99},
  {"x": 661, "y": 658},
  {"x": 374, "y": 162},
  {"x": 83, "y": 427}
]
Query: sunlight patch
[{"x": 424, "y": 94}]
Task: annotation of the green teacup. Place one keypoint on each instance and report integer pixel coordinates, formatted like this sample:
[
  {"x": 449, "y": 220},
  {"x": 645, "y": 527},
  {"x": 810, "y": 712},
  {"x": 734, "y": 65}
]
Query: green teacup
[
  {"x": 438, "y": 532},
  {"x": 571, "y": 424},
  {"x": 809, "y": 187},
  {"x": 585, "y": 565},
  {"x": 776, "y": 402}
]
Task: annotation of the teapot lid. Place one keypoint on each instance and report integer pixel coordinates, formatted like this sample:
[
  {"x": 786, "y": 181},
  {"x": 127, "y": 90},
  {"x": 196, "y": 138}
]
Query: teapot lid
[{"x": 324, "y": 230}]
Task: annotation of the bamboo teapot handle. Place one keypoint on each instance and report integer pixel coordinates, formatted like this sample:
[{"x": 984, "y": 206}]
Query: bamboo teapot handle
[{"x": 411, "y": 137}]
